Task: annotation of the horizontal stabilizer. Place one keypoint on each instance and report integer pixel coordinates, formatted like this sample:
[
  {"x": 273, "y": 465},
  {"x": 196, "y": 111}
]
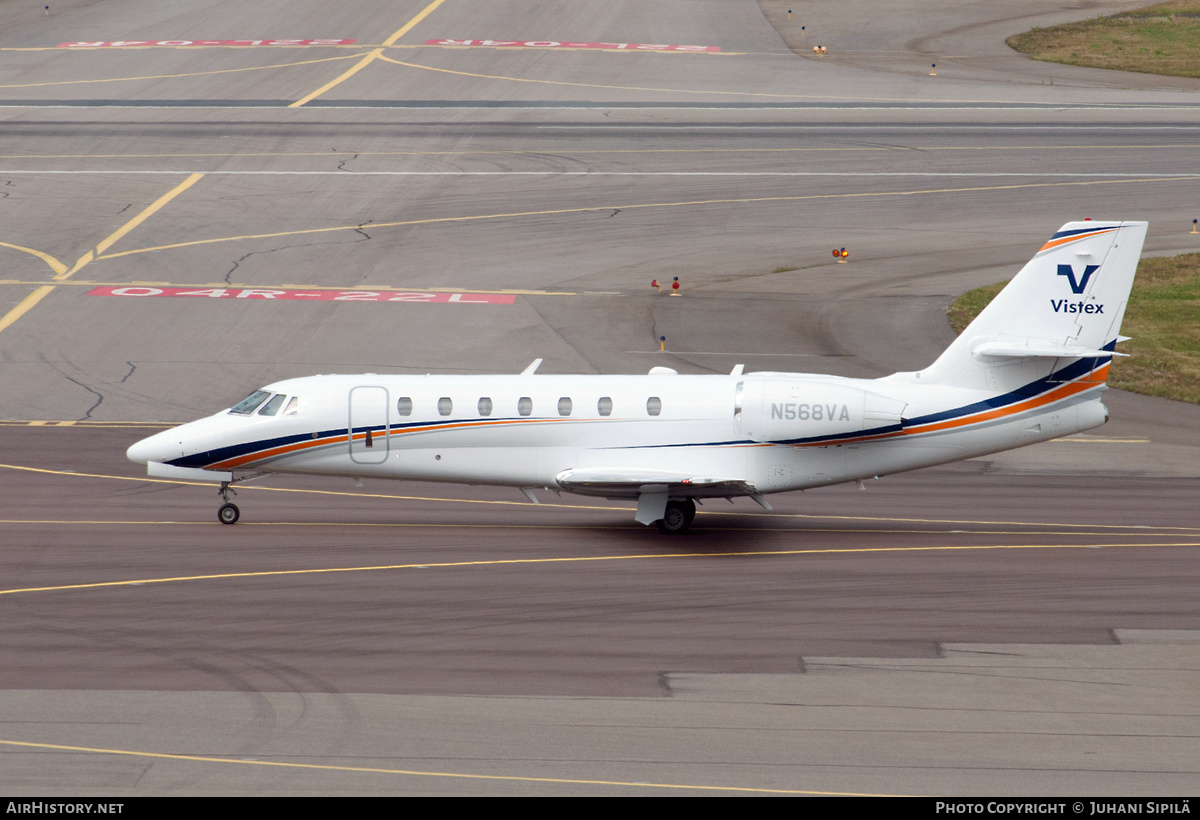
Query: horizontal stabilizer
[{"x": 1039, "y": 347}]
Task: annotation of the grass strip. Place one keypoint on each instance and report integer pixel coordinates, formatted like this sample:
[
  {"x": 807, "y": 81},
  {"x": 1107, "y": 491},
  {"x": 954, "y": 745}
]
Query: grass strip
[{"x": 1159, "y": 39}]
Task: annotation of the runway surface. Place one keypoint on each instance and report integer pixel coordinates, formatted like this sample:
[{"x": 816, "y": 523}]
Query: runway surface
[{"x": 1022, "y": 624}]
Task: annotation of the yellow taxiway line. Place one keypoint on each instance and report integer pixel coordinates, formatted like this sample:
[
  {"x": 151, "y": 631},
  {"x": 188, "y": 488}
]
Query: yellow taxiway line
[
  {"x": 174, "y": 76},
  {"x": 581, "y": 559},
  {"x": 110, "y": 240},
  {"x": 62, "y": 272},
  {"x": 368, "y": 58},
  {"x": 25, "y": 305},
  {"x": 649, "y": 205},
  {"x": 1139, "y": 529},
  {"x": 418, "y": 773}
]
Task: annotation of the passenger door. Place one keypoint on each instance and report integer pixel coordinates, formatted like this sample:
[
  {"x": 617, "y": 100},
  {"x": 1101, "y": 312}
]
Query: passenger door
[{"x": 368, "y": 425}]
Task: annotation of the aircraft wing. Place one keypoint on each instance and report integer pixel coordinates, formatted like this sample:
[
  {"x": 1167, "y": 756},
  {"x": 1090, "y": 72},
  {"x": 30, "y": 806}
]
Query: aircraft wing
[{"x": 618, "y": 483}]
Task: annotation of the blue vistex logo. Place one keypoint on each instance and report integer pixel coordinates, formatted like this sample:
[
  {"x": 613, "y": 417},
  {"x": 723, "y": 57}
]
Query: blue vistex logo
[{"x": 1077, "y": 286}]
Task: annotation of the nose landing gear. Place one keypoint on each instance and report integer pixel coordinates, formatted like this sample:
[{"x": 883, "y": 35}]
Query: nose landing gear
[{"x": 227, "y": 513}]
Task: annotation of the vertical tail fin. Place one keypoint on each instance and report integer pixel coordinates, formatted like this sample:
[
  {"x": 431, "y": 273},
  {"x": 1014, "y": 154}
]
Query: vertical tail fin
[{"x": 1059, "y": 317}]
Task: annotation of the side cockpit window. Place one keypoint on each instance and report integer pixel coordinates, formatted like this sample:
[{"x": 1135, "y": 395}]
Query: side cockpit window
[
  {"x": 272, "y": 406},
  {"x": 247, "y": 405},
  {"x": 293, "y": 406}
]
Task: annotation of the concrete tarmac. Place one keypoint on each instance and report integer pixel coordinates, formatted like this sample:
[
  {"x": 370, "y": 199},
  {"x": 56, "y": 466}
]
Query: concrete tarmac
[{"x": 1021, "y": 624}]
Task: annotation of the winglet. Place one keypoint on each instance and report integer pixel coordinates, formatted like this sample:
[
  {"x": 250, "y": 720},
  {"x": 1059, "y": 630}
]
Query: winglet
[{"x": 533, "y": 366}]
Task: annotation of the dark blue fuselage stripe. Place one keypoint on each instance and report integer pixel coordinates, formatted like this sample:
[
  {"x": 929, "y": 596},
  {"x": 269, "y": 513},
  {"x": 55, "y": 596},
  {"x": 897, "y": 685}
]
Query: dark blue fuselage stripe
[
  {"x": 238, "y": 450},
  {"x": 1028, "y": 391},
  {"x": 1069, "y": 373}
]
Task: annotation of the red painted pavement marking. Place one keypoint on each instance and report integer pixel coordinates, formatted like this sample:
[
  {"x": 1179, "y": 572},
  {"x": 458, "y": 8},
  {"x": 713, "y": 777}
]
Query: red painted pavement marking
[
  {"x": 127, "y": 43},
  {"x": 312, "y": 296},
  {"x": 555, "y": 44}
]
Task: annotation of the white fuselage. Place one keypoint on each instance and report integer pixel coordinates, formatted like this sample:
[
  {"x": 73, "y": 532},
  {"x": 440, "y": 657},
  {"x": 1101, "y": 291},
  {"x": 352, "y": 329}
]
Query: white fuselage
[{"x": 770, "y": 432}]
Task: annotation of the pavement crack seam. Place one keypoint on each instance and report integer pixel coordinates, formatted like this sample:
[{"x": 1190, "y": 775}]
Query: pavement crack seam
[
  {"x": 237, "y": 262},
  {"x": 99, "y": 396}
]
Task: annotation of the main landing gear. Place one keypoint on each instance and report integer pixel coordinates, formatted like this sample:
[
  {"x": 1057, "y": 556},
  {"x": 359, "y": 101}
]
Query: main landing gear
[
  {"x": 677, "y": 517},
  {"x": 227, "y": 513}
]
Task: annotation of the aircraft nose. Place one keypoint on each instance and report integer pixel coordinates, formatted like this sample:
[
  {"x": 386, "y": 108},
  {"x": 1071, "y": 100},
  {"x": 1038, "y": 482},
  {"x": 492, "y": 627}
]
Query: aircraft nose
[{"x": 160, "y": 447}]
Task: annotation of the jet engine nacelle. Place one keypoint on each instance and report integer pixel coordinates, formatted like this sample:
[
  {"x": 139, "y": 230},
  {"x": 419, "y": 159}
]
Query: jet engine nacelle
[{"x": 795, "y": 410}]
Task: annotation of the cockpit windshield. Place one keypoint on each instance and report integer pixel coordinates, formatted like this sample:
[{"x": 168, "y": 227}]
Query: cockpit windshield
[
  {"x": 272, "y": 407},
  {"x": 247, "y": 405}
]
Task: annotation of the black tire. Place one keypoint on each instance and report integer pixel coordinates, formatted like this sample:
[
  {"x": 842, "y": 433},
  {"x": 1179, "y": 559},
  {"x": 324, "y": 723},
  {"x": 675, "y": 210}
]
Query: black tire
[
  {"x": 689, "y": 507},
  {"x": 677, "y": 517},
  {"x": 229, "y": 514}
]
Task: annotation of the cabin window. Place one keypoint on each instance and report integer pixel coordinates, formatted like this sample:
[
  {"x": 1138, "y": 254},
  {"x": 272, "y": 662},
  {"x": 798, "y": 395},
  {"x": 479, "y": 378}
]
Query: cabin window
[
  {"x": 654, "y": 405},
  {"x": 485, "y": 406},
  {"x": 404, "y": 406},
  {"x": 272, "y": 407},
  {"x": 737, "y": 400},
  {"x": 525, "y": 405},
  {"x": 564, "y": 406},
  {"x": 246, "y": 406},
  {"x": 445, "y": 406},
  {"x": 293, "y": 406},
  {"x": 604, "y": 406}
]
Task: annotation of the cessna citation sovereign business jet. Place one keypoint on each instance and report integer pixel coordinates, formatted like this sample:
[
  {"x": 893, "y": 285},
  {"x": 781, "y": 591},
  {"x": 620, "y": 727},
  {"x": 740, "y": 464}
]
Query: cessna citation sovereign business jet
[{"x": 1031, "y": 367}]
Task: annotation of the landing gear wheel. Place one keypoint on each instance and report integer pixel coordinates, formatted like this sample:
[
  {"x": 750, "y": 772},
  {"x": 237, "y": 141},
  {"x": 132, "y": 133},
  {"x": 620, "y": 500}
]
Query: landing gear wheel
[
  {"x": 228, "y": 514},
  {"x": 677, "y": 517}
]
